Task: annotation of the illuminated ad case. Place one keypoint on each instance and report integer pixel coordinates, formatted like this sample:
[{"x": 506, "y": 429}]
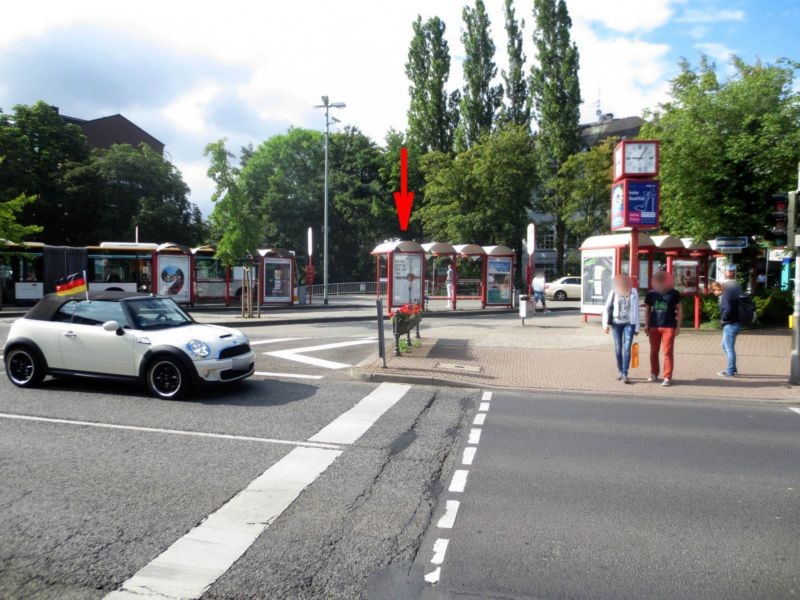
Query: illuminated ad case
[
  {"x": 277, "y": 280},
  {"x": 498, "y": 280},
  {"x": 173, "y": 277},
  {"x": 597, "y": 268},
  {"x": 635, "y": 204},
  {"x": 685, "y": 274},
  {"x": 407, "y": 276}
]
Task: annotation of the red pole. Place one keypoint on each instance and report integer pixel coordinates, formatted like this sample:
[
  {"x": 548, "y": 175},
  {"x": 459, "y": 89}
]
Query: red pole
[
  {"x": 633, "y": 262},
  {"x": 697, "y": 311},
  {"x": 389, "y": 282}
]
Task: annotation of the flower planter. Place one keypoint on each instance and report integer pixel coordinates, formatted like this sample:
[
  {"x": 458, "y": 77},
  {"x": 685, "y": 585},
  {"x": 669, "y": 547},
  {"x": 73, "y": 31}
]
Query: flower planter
[{"x": 404, "y": 321}]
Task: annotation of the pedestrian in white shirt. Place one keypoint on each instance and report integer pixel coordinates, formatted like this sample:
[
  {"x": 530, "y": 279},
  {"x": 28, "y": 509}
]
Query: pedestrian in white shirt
[
  {"x": 621, "y": 317},
  {"x": 538, "y": 291}
]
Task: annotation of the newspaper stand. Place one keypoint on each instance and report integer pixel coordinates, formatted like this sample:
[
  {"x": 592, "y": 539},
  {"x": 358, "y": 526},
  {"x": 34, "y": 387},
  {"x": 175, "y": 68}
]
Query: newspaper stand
[
  {"x": 435, "y": 251},
  {"x": 278, "y": 275},
  {"x": 471, "y": 288},
  {"x": 405, "y": 272},
  {"x": 498, "y": 273},
  {"x": 173, "y": 275}
]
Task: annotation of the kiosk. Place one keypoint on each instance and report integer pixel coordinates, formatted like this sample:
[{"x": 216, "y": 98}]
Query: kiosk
[
  {"x": 278, "y": 270},
  {"x": 405, "y": 272},
  {"x": 471, "y": 263},
  {"x": 440, "y": 255},
  {"x": 498, "y": 284},
  {"x": 173, "y": 272}
]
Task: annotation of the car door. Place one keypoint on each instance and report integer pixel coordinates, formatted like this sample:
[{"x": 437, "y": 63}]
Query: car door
[
  {"x": 88, "y": 348},
  {"x": 47, "y": 334},
  {"x": 573, "y": 287}
]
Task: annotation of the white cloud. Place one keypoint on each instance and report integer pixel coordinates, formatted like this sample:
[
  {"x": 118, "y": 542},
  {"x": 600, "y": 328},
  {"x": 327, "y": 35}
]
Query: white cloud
[
  {"x": 628, "y": 16},
  {"x": 719, "y": 52},
  {"x": 708, "y": 15}
]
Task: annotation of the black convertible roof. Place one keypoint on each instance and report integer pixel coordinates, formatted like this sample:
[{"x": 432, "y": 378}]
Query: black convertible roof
[{"x": 49, "y": 305}]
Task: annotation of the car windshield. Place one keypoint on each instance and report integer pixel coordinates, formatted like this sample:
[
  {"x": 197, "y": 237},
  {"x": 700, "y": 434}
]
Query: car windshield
[{"x": 157, "y": 313}]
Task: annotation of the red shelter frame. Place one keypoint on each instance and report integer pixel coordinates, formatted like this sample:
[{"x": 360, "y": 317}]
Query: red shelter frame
[
  {"x": 436, "y": 250},
  {"x": 389, "y": 250}
]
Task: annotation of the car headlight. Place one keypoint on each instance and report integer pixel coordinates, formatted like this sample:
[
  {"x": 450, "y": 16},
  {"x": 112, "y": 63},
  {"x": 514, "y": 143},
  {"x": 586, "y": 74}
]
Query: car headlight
[{"x": 198, "y": 348}]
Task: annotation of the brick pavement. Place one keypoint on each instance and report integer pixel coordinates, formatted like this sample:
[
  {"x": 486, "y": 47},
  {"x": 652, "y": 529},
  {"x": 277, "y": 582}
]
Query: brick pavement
[{"x": 589, "y": 366}]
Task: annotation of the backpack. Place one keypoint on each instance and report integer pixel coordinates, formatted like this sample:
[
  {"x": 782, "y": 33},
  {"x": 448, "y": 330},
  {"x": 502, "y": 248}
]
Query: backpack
[{"x": 747, "y": 310}]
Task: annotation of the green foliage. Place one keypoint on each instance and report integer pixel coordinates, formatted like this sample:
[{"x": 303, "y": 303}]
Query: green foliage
[
  {"x": 10, "y": 229},
  {"x": 584, "y": 185},
  {"x": 517, "y": 109},
  {"x": 555, "y": 92},
  {"x": 235, "y": 220},
  {"x": 709, "y": 307},
  {"x": 480, "y": 99},
  {"x": 432, "y": 115},
  {"x": 726, "y": 147},
  {"x": 774, "y": 307},
  {"x": 483, "y": 194}
]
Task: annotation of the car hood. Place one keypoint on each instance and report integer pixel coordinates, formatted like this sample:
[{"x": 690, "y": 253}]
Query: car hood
[{"x": 215, "y": 336}]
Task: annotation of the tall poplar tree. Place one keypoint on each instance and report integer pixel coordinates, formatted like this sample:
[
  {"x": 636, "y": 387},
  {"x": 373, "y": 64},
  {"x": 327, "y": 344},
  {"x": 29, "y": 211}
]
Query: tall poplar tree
[
  {"x": 556, "y": 96},
  {"x": 517, "y": 108},
  {"x": 480, "y": 100},
  {"x": 432, "y": 114}
]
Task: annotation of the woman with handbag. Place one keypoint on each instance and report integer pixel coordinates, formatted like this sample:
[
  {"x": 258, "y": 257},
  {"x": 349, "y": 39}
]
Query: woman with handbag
[{"x": 621, "y": 318}]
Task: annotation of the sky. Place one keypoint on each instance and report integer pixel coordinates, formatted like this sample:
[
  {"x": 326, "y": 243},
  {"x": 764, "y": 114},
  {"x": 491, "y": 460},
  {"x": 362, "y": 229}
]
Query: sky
[{"x": 194, "y": 72}]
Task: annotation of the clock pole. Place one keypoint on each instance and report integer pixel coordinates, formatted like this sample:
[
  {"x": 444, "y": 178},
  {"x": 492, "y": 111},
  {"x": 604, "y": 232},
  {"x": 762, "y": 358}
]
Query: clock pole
[{"x": 633, "y": 263}]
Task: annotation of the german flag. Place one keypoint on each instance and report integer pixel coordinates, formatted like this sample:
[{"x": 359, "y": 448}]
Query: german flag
[{"x": 72, "y": 284}]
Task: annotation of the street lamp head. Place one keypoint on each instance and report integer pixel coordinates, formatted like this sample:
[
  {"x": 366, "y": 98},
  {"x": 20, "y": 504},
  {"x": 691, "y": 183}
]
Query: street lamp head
[
  {"x": 337, "y": 105},
  {"x": 324, "y": 101}
]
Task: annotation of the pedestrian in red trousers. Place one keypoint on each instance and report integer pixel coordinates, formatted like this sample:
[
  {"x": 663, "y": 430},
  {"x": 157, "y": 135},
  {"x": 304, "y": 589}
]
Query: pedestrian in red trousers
[{"x": 663, "y": 317}]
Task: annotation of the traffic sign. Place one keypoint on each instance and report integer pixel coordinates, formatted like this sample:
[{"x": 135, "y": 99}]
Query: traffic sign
[
  {"x": 731, "y": 244},
  {"x": 531, "y": 241}
]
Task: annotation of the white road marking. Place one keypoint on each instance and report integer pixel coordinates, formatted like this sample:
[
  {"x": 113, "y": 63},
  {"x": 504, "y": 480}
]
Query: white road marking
[
  {"x": 193, "y": 563},
  {"x": 351, "y": 425},
  {"x": 459, "y": 480},
  {"x": 276, "y": 340},
  {"x": 222, "y": 436},
  {"x": 439, "y": 550},
  {"x": 793, "y": 409},
  {"x": 474, "y": 436},
  {"x": 286, "y": 375},
  {"x": 449, "y": 518},
  {"x": 469, "y": 455},
  {"x": 487, "y": 396},
  {"x": 433, "y": 576},
  {"x": 298, "y": 354},
  {"x": 479, "y": 419},
  {"x": 484, "y": 407}
]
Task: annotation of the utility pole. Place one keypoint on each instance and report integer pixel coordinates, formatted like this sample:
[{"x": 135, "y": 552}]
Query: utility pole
[
  {"x": 327, "y": 105},
  {"x": 791, "y": 241}
]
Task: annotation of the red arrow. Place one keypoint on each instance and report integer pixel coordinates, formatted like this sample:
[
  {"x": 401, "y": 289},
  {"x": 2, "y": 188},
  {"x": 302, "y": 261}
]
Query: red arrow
[{"x": 403, "y": 199}]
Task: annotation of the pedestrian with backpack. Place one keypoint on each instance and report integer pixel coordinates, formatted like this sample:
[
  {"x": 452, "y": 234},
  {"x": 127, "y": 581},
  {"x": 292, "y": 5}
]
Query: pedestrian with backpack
[
  {"x": 735, "y": 310},
  {"x": 663, "y": 318},
  {"x": 621, "y": 316}
]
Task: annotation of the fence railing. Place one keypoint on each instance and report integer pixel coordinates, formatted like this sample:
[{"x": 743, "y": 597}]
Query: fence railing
[{"x": 351, "y": 288}]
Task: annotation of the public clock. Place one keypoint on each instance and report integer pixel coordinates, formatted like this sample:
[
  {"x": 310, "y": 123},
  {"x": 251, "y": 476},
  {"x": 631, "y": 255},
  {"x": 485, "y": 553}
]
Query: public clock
[{"x": 636, "y": 158}]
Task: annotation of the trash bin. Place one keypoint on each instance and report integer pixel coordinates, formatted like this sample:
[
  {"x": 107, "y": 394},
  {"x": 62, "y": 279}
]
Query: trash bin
[{"x": 525, "y": 307}]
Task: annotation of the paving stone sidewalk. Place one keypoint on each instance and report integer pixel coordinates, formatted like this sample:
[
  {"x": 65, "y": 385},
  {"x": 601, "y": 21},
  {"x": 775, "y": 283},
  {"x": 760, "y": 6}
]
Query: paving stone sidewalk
[{"x": 586, "y": 362}]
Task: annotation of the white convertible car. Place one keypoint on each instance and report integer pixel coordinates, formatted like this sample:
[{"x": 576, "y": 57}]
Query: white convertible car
[{"x": 122, "y": 335}]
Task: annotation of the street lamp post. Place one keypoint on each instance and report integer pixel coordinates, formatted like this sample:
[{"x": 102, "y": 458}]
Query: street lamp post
[{"x": 327, "y": 105}]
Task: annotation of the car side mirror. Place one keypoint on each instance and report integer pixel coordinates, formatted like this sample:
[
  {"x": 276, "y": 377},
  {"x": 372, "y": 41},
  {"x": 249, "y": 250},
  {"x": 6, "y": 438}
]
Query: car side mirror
[{"x": 113, "y": 326}]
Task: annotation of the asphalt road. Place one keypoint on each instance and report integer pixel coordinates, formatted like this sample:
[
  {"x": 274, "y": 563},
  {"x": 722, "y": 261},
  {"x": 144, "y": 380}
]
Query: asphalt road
[{"x": 600, "y": 497}]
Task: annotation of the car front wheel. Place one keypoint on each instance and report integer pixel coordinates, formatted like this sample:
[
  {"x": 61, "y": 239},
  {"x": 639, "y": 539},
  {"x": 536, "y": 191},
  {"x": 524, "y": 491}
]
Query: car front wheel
[
  {"x": 23, "y": 367},
  {"x": 167, "y": 379},
  {"x": 560, "y": 295}
]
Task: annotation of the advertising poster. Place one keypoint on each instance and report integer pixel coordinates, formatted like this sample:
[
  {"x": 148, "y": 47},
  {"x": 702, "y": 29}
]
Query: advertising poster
[
  {"x": 685, "y": 274},
  {"x": 499, "y": 280},
  {"x": 406, "y": 279},
  {"x": 618, "y": 206},
  {"x": 597, "y": 270},
  {"x": 173, "y": 277},
  {"x": 277, "y": 280},
  {"x": 643, "y": 204}
]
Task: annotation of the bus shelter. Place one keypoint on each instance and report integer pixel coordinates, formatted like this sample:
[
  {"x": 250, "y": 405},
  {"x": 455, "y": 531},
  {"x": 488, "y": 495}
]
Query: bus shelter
[
  {"x": 211, "y": 278},
  {"x": 603, "y": 257},
  {"x": 403, "y": 263},
  {"x": 666, "y": 249},
  {"x": 499, "y": 283},
  {"x": 279, "y": 269},
  {"x": 471, "y": 264},
  {"x": 174, "y": 274},
  {"x": 439, "y": 256}
]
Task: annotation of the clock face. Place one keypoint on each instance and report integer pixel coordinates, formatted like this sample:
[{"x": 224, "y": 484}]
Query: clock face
[
  {"x": 618, "y": 162},
  {"x": 640, "y": 157}
]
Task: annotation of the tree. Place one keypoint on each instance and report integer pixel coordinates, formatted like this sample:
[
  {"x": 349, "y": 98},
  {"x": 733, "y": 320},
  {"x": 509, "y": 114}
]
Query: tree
[
  {"x": 726, "y": 147},
  {"x": 432, "y": 115},
  {"x": 235, "y": 220},
  {"x": 482, "y": 195},
  {"x": 480, "y": 99},
  {"x": 10, "y": 228},
  {"x": 584, "y": 184},
  {"x": 517, "y": 108},
  {"x": 556, "y": 97}
]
